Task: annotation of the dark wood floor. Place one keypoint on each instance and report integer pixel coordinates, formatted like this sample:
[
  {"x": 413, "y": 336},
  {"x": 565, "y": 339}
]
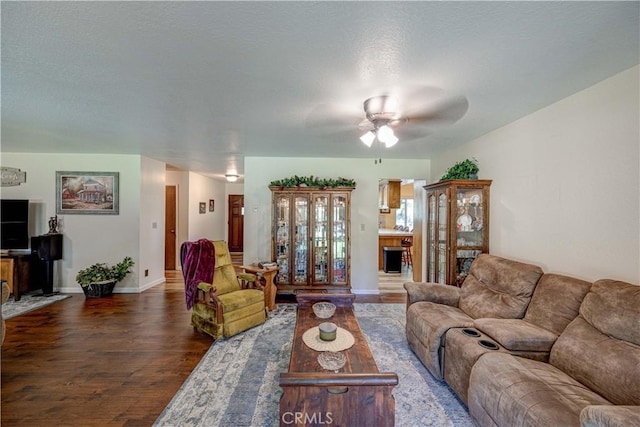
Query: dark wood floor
[{"x": 100, "y": 362}]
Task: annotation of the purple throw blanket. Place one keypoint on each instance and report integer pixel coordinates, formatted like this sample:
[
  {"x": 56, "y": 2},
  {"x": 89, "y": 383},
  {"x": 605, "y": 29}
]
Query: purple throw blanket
[{"x": 198, "y": 262}]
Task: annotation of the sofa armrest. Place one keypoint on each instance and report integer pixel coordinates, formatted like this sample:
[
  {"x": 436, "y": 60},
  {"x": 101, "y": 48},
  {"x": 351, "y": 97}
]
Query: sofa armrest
[
  {"x": 610, "y": 416},
  {"x": 517, "y": 334},
  {"x": 432, "y": 292}
]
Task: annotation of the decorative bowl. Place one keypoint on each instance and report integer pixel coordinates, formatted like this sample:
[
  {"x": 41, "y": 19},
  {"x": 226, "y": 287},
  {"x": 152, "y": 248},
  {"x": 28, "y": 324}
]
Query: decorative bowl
[
  {"x": 332, "y": 360},
  {"x": 324, "y": 310}
]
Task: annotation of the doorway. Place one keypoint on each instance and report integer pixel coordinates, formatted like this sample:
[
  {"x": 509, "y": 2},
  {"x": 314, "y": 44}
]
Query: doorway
[
  {"x": 400, "y": 225},
  {"x": 170, "y": 198},
  {"x": 236, "y": 222}
]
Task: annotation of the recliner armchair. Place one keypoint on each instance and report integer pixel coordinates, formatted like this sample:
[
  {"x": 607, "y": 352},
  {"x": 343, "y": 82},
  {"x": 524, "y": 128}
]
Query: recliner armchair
[{"x": 232, "y": 303}]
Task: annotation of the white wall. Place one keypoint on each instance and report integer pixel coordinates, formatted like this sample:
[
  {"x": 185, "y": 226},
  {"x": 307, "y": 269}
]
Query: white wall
[
  {"x": 152, "y": 218},
  {"x": 209, "y": 225},
  {"x": 364, "y": 204},
  {"x": 566, "y": 184},
  {"x": 193, "y": 188},
  {"x": 87, "y": 238}
]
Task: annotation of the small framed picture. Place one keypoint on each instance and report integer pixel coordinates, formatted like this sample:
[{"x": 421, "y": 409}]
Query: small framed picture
[
  {"x": 212, "y": 205},
  {"x": 203, "y": 207}
]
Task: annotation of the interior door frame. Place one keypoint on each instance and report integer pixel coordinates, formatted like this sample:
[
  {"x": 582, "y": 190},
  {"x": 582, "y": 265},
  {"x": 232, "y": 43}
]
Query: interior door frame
[
  {"x": 170, "y": 227},
  {"x": 235, "y": 232}
]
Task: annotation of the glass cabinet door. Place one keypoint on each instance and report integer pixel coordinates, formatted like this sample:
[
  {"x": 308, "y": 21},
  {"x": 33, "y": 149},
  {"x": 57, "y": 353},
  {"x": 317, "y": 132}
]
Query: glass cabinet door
[
  {"x": 282, "y": 246},
  {"x": 339, "y": 239},
  {"x": 320, "y": 238},
  {"x": 469, "y": 217},
  {"x": 431, "y": 238},
  {"x": 301, "y": 239},
  {"x": 469, "y": 229},
  {"x": 442, "y": 239}
]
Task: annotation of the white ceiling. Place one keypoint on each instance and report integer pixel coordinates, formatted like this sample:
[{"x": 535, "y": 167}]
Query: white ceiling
[{"x": 200, "y": 85}]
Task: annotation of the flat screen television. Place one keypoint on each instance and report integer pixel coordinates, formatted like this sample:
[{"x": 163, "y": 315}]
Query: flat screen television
[{"x": 14, "y": 224}]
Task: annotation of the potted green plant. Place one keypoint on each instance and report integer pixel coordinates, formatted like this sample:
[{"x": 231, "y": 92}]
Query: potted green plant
[
  {"x": 466, "y": 169},
  {"x": 99, "y": 279}
]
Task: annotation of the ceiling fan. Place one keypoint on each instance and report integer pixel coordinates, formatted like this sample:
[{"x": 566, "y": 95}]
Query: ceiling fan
[{"x": 392, "y": 116}]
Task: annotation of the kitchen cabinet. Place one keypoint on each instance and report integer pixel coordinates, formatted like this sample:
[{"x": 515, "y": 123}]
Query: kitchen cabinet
[{"x": 389, "y": 193}]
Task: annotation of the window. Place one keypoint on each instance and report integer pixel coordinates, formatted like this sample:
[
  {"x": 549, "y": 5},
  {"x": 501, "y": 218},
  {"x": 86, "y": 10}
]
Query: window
[{"x": 404, "y": 215}]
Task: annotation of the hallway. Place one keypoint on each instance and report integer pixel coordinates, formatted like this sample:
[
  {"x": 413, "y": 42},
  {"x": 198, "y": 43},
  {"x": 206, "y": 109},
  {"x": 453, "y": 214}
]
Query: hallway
[{"x": 391, "y": 283}]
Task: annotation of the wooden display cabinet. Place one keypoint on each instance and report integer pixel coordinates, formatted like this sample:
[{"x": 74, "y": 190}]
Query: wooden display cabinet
[
  {"x": 457, "y": 228},
  {"x": 311, "y": 239}
]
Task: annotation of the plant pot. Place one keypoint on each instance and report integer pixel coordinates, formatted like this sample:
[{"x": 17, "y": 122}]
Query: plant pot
[
  {"x": 99, "y": 289},
  {"x": 472, "y": 176}
]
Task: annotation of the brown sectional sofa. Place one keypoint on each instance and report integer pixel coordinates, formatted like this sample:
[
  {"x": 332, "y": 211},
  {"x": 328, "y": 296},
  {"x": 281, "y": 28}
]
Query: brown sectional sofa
[
  {"x": 494, "y": 288},
  {"x": 573, "y": 357}
]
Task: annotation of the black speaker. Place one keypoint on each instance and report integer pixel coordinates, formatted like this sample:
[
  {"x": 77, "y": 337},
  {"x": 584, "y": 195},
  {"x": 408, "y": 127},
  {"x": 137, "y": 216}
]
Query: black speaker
[{"x": 48, "y": 247}]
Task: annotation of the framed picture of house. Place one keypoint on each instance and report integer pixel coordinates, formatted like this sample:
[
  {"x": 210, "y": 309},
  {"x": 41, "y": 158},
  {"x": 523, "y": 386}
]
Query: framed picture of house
[{"x": 82, "y": 193}]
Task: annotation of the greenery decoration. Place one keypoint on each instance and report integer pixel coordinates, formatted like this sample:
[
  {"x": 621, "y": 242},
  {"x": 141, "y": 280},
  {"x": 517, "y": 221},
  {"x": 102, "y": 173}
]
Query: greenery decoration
[
  {"x": 312, "y": 181},
  {"x": 467, "y": 169},
  {"x": 101, "y": 272}
]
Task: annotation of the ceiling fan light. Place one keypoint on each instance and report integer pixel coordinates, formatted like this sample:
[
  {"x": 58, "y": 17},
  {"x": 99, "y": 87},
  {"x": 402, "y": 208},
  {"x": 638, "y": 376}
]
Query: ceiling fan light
[
  {"x": 367, "y": 138},
  {"x": 386, "y": 135},
  {"x": 391, "y": 141}
]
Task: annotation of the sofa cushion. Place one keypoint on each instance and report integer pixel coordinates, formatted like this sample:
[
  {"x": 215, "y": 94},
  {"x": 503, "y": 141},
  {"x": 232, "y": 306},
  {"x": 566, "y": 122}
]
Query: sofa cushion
[
  {"x": 498, "y": 288},
  {"x": 506, "y": 390},
  {"x": 516, "y": 334},
  {"x": 427, "y": 323},
  {"x": 556, "y": 301},
  {"x": 606, "y": 365},
  {"x": 601, "y": 347},
  {"x": 613, "y": 308},
  {"x": 610, "y": 416},
  {"x": 233, "y": 301}
]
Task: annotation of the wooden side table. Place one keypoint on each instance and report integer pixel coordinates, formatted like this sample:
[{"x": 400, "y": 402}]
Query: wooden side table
[{"x": 269, "y": 275}]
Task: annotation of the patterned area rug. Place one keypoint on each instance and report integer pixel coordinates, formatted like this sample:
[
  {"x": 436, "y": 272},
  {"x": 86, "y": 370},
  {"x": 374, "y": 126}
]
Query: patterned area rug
[
  {"x": 236, "y": 382},
  {"x": 28, "y": 302}
]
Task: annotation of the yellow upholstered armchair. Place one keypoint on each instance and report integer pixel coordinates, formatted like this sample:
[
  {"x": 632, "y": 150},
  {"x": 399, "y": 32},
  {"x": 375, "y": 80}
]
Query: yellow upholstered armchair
[{"x": 233, "y": 302}]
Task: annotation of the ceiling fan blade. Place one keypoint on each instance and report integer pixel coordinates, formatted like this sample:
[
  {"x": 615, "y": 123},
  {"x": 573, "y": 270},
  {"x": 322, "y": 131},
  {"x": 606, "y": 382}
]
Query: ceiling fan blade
[
  {"x": 333, "y": 118},
  {"x": 409, "y": 133},
  {"x": 365, "y": 125},
  {"x": 444, "y": 111}
]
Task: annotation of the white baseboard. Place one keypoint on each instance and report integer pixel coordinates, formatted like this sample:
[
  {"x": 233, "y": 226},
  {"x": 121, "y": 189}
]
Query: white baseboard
[
  {"x": 365, "y": 291},
  {"x": 117, "y": 290}
]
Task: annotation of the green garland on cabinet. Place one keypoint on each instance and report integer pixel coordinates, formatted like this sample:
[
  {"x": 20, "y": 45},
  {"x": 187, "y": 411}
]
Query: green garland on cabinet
[{"x": 312, "y": 181}]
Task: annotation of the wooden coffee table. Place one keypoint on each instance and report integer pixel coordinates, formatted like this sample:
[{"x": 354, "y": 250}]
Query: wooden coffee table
[{"x": 358, "y": 395}]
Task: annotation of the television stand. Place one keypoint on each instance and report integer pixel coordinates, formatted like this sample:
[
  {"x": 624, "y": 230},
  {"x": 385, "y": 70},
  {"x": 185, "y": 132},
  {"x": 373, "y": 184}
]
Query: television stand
[{"x": 18, "y": 271}]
